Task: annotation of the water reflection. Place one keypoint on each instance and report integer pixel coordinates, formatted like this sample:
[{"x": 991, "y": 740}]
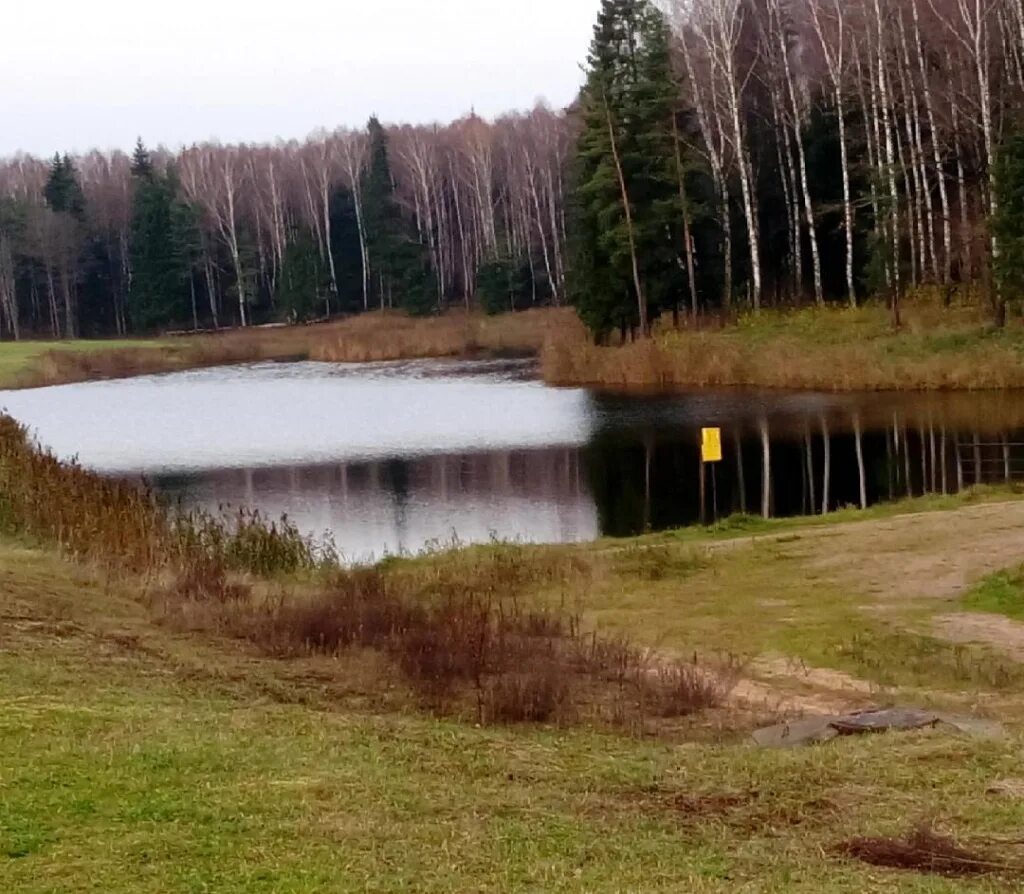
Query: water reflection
[
  {"x": 787, "y": 455},
  {"x": 391, "y": 457},
  {"x": 398, "y": 506}
]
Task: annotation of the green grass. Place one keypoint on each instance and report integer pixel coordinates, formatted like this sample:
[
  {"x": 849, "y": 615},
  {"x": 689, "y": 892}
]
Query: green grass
[
  {"x": 17, "y": 358},
  {"x": 133, "y": 760},
  {"x": 135, "y": 757},
  {"x": 1001, "y": 593},
  {"x": 740, "y": 526}
]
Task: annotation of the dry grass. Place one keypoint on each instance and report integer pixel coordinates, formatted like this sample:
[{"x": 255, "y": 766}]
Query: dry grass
[
  {"x": 369, "y": 337},
  {"x": 829, "y": 350},
  {"x": 465, "y": 641},
  {"x": 380, "y": 337},
  {"x": 122, "y": 527}
]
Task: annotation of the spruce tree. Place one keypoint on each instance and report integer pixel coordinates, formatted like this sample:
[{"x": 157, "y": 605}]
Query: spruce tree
[
  {"x": 625, "y": 207},
  {"x": 302, "y": 281},
  {"x": 400, "y": 270},
  {"x": 1008, "y": 223},
  {"x": 142, "y": 163},
  {"x": 164, "y": 237},
  {"x": 63, "y": 192}
]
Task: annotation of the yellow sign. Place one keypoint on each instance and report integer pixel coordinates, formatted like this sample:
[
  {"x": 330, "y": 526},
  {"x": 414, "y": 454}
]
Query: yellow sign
[{"x": 711, "y": 445}]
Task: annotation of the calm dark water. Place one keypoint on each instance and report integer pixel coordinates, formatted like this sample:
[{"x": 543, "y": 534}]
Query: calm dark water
[{"x": 389, "y": 458}]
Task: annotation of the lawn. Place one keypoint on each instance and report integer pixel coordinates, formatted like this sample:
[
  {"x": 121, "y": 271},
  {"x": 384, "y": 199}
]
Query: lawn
[
  {"x": 138, "y": 757},
  {"x": 18, "y": 358}
]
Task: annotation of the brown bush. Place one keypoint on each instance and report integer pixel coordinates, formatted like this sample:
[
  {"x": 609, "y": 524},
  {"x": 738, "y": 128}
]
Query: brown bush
[
  {"x": 682, "y": 688},
  {"x": 470, "y": 649},
  {"x": 535, "y": 697}
]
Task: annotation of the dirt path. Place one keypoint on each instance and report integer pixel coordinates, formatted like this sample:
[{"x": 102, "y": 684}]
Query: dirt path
[
  {"x": 929, "y": 559},
  {"x": 933, "y": 559},
  {"x": 931, "y": 556}
]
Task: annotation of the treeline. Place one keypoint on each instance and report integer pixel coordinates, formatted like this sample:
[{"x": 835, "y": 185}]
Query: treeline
[
  {"x": 722, "y": 153},
  {"x": 768, "y": 151},
  {"x": 404, "y": 217}
]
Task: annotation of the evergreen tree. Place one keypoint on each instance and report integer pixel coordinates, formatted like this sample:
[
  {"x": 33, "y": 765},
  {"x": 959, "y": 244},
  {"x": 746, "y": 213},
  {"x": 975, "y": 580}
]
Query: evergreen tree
[
  {"x": 1008, "y": 223},
  {"x": 625, "y": 207},
  {"x": 504, "y": 284},
  {"x": 164, "y": 241},
  {"x": 142, "y": 163},
  {"x": 302, "y": 281},
  {"x": 401, "y": 273},
  {"x": 63, "y": 192}
]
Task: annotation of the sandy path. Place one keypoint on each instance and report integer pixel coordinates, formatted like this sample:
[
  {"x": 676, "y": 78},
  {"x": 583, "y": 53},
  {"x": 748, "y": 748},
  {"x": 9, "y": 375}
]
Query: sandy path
[
  {"x": 929, "y": 558},
  {"x": 933, "y": 558}
]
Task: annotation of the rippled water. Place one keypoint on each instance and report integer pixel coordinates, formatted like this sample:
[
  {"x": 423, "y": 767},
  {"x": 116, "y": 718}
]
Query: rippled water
[{"x": 392, "y": 457}]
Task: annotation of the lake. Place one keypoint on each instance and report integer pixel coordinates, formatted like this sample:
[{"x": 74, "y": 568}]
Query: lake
[{"x": 396, "y": 457}]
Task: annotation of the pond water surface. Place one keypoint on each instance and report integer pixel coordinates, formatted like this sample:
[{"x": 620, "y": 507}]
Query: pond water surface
[{"x": 390, "y": 458}]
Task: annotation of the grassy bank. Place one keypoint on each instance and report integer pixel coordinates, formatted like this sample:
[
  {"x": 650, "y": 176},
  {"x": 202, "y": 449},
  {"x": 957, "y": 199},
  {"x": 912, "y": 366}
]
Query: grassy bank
[
  {"x": 262, "y": 732},
  {"x": 371, "y": 337},
  {"x": 829, "y": 349},
  {"x": 822, "y": 349}
]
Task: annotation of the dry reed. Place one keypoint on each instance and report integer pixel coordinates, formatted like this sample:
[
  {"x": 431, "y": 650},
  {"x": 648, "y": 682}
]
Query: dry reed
[
  {"x": 827, "y": 350},
  {"x": 119, "y": 525},
  {"x": 377, "y": 336}
]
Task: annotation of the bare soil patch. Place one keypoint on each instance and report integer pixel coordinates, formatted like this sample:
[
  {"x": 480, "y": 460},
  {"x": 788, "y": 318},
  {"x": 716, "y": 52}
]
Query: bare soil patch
[
  {"x": 930, "y": 556},
  {"x": 1002, "y": 634}
]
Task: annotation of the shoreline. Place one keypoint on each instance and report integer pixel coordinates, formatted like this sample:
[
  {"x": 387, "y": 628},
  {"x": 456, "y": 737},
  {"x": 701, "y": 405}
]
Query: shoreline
[{"x": 834, "y": 350}]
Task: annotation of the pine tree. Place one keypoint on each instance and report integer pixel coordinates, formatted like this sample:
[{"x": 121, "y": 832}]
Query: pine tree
[
  {"x": 399, "y": 264},
  {"x": 625, "y": 205}
]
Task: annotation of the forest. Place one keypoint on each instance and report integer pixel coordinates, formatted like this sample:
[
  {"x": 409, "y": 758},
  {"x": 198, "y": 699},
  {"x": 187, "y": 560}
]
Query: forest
[{"x": 723, "y": 154}]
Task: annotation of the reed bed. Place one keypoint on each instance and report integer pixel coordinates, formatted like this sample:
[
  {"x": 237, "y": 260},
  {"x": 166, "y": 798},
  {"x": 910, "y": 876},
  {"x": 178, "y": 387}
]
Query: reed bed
[
  {"x": 816, "y": 349},
  {"x": 380, "y": 336},
  {"x": 829, "y": 349},
  {"x": 122, "y": 526}
]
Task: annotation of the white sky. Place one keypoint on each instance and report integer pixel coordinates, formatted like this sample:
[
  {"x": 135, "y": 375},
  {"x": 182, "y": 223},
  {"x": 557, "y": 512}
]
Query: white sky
[{"x": 77, "y": 75}]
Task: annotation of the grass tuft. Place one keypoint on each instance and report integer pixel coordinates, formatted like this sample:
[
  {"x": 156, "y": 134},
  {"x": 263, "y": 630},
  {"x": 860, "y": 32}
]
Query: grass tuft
[{"x": 1001, "y": 593}]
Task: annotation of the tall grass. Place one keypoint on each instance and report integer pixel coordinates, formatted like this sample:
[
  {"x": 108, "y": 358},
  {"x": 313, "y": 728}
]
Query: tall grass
[
  {"x": 826, "y": 349},
  {"x": 832, "y": 349},
  {"x": 369, "y": 337},
  {"x": 123, "y": 526}
]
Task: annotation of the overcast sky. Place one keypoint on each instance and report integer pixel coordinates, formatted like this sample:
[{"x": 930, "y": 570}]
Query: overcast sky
[{"x": 76, "y": 75}]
